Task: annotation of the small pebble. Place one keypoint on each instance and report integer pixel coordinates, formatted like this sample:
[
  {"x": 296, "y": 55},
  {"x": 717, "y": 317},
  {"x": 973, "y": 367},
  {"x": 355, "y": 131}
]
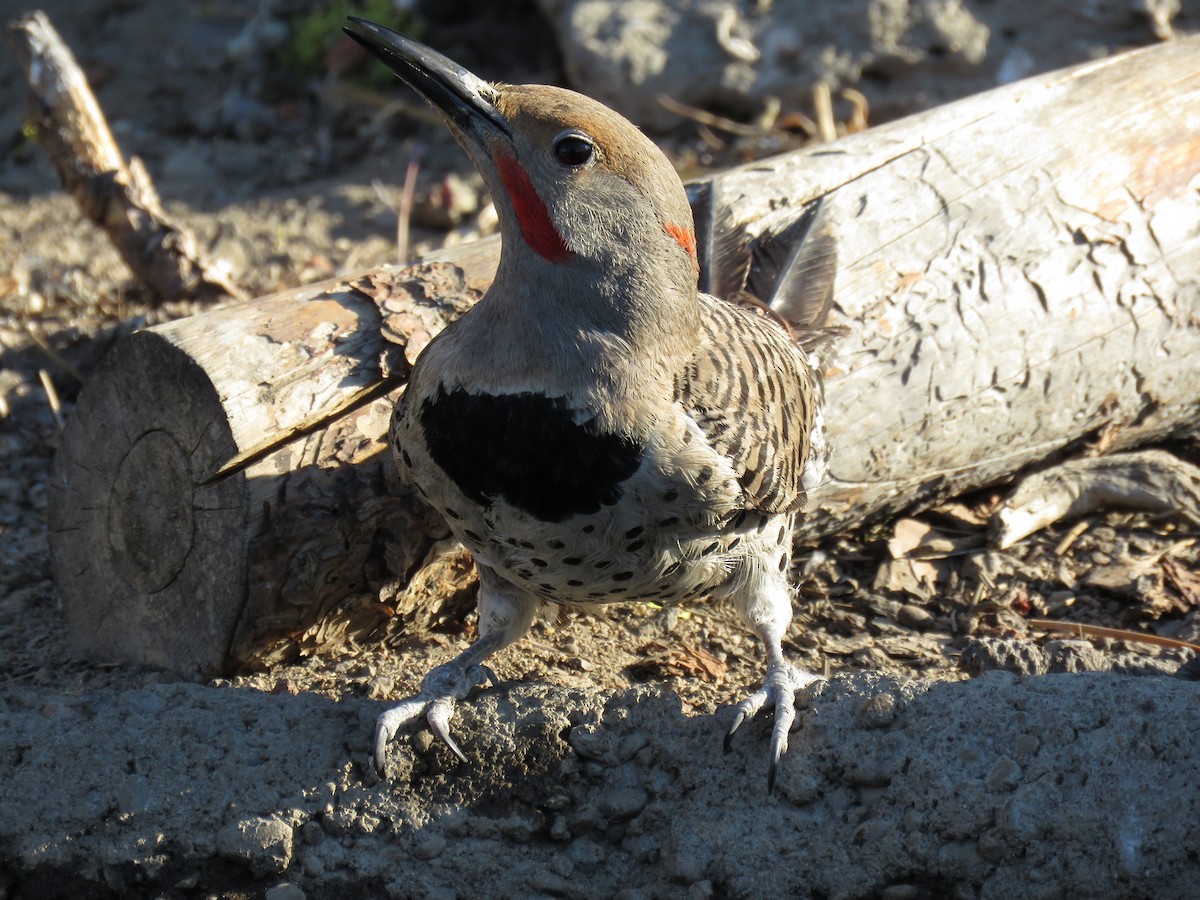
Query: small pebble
[
  {"x": 549, "y": 883},
  {"x": 557, "y": 802},
  {"x": 478, "y": 826},
  {"x": 872, "y": 658},
  {"x": 1004, "y": 776},
  {"x": 562, "y": 865},
  {"x": 284, "y": 892},
  {"x": 871, "y": 833},
  {"x": 631, "y": 744},
  {"x": 134, "y": 796},
  {"x": 586, "y": 852},
  {"x": 446, "y": 204},
  {"x": 1059, "y": 601},
  {"x": 430, "y": 848},
  {"x": 313, "y": 867},
  {"x": 381, "y": 687},
  {"x": 518, "y": 831},
  {"x": 624, "y": 803},
  {"x": 915, "y": 616},
  {"x": 188, "y": 882},
  {"x": 799, "y": 787},
  {"x": 991, "y": 846},
  {"x": 687, "y": 860},
  {"x": 876, "y": 711},
  {"x": 559, "y": 831},
  {"x": 590, "y": 745},
  {"x": 423, "y": 742}
]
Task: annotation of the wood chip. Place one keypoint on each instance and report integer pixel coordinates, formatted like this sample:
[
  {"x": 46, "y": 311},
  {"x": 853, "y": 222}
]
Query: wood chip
[
  {"x": 907, "y": 535},
  {"x": 663, "y": 660},
  {"x": 1184, "y": 580},
  {"x": 1150, "y": 480},
  {"x": 916, "y": 577}
]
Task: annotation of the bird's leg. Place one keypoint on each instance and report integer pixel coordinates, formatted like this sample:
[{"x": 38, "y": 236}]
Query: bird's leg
[
  {"x": 768, "y": 611},
  {"x": 505, "y": 615}
]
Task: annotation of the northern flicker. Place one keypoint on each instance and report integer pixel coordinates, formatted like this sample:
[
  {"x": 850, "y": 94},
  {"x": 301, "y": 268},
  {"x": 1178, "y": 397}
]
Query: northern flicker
[{"x": 596, "y": 429}]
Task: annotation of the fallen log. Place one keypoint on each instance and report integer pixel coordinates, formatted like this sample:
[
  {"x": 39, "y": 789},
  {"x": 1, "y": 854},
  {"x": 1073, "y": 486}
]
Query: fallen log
[{"x": 1018, "y": 276}]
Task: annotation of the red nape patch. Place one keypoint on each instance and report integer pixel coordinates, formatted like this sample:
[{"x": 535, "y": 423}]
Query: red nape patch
[
  {"x": 532, "y": 214},
  {"x": 685, "y": 237}
]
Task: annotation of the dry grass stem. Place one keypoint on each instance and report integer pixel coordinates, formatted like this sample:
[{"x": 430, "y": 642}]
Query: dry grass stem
[{"x": 1082, "y": 630}]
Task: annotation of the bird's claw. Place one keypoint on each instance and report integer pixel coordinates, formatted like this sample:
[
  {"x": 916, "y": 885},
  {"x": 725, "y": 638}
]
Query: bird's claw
[
  {"x": 438, "y": 717},
  {"x": 779, "y": 688},
  {"x": 440, "y": 690}
]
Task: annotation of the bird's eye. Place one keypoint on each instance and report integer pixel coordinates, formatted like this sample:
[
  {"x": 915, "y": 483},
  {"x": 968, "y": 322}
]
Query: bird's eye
[{"x": 573, "y": 150}]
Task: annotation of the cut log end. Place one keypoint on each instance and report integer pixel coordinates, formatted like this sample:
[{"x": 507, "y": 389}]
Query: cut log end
[
  {"x": 221, "y": 494},
  {"x": 143, "y": 550}
]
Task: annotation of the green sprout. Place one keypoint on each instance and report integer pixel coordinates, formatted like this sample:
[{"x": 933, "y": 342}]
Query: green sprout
[{"x": 318, "y": 31}]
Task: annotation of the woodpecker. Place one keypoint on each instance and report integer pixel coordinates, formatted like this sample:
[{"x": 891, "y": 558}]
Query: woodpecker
[{"x": 596, "y": 429}]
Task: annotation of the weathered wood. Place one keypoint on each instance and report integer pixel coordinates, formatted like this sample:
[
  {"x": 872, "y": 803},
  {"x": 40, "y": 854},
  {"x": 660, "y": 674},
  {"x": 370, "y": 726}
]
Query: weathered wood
[
  {"x": 116, "y": 195},
  {"x": 161, "y": 558},
  {"x": 1152, "y": 481},
  {"x": 1017, "y": 275}
]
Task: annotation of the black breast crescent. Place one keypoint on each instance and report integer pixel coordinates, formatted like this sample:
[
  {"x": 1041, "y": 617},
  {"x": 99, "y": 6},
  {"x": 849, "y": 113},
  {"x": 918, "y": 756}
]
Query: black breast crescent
[{"x": 527, "y": 449}]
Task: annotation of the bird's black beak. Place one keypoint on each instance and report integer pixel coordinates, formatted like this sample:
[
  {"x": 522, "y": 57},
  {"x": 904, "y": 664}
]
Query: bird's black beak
[{"x": 464, "y": 99}]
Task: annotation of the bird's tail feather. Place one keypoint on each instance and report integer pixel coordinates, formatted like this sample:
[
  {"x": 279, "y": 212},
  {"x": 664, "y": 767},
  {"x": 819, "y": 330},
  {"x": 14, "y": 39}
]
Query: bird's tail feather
[{"x": 793, "y": 272}]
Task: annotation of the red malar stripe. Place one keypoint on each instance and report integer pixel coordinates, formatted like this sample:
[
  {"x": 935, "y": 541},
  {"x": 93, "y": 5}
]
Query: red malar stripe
[
  {"x": 685, "y": 237},
  {"x": 532, "y": 214}
]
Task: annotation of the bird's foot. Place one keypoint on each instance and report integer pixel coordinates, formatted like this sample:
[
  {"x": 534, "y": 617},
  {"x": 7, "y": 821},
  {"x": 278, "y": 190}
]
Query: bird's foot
[
  {"x": 780, "y": 686},
  {"x": 440, "y": 689}
]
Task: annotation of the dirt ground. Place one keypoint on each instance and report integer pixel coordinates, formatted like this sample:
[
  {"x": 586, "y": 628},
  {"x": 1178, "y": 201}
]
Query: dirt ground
[{"x": 123, "y": 781}]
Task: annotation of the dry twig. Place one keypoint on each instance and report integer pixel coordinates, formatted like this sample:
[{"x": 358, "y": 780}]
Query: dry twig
[
  {"x": 1082, "y": 629},
  {"x": 712, "y": 120},
  {"x": 52, "y": 398},
  {"x": 115, "y": 194}
]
